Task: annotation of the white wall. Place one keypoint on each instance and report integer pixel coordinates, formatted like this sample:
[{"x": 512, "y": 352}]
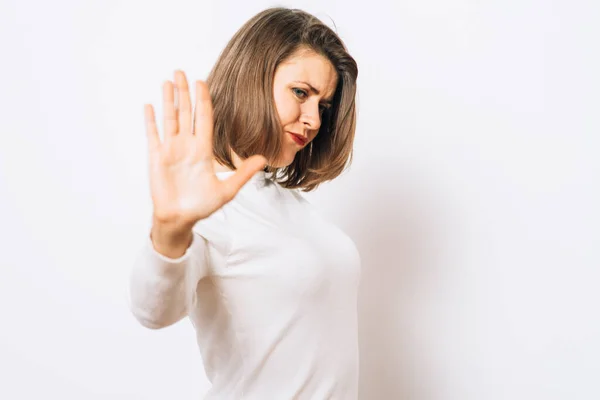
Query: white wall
[{"x": 473, "y": 196}]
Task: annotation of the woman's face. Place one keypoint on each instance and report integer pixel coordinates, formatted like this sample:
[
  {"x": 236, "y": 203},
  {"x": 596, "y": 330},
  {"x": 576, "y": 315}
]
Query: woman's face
[{"x": 303, "y": 88}]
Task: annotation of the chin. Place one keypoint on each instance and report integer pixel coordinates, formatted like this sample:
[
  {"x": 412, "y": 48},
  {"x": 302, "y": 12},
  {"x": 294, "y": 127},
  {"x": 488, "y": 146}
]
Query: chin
[{"x": 279, "y": 163}]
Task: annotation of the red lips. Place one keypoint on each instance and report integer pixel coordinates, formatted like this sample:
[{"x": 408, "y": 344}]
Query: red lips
[{"x": 301, "y": 140}]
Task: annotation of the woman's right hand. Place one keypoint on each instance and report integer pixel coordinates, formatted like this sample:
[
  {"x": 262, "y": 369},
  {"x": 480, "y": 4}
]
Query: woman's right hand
[{"x": 183, "y": 184}]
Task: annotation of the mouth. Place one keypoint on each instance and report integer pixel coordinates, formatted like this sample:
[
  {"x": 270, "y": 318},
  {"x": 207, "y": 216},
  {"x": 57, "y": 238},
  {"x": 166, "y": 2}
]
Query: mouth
[{"x": 300, "y": 140}]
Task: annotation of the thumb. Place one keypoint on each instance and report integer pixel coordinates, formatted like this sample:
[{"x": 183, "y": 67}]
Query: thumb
[{"x": 249, "y": 167}]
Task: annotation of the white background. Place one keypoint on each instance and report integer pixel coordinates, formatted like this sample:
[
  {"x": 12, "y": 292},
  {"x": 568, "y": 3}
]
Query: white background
[{"x": 473, "y": 197}]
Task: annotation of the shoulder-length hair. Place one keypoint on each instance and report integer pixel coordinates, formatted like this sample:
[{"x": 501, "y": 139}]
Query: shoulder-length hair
[{"x": 245, "y": 115}]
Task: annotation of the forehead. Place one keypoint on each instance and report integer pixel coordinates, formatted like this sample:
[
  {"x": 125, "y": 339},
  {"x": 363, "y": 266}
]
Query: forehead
[{"x": 312, "y": 68}]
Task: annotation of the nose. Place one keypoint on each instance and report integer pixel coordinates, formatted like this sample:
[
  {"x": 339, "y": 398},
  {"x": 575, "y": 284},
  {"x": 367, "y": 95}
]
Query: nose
[{"x": 310, "y": 116}]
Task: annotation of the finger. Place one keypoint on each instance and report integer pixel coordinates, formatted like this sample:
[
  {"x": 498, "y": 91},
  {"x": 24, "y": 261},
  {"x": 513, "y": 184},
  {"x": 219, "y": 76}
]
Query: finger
[
  {"x": 184, "y": 115},
  {"x": 170, "y": 116},
  {"x": 249, "y": 167},
  {"x": 151, "y": 129},
  {"x": 203, "y": 119}
]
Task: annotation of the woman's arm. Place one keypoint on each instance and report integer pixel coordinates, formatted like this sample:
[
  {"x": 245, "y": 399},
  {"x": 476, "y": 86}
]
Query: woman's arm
[{"x": 163, "y": 288}]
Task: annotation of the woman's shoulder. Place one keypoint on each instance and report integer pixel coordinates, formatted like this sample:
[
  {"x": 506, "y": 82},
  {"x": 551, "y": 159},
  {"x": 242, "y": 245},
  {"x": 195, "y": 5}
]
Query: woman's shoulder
[{"x": 215, "y": 230}]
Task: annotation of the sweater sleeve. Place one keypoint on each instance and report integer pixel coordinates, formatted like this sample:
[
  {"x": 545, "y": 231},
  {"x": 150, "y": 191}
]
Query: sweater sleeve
[{"x": 162, "y": 290}]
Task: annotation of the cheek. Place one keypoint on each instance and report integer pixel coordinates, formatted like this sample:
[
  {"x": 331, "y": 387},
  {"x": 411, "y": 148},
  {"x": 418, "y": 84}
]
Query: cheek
[{"x": 287, "y": 108}]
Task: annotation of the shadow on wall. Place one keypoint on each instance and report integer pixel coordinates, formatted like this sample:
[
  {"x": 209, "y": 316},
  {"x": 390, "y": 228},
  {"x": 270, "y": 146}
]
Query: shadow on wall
[{"x": 396, "y": 237}]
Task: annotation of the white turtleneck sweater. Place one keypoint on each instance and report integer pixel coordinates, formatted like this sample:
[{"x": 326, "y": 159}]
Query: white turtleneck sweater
[{"x": 271, "y": 289}]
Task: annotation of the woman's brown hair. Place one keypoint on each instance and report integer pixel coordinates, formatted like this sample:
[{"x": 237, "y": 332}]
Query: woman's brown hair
[{"x": 245, "y": 116}]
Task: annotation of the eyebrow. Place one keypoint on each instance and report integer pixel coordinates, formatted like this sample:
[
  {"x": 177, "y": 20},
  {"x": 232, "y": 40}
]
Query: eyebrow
[{"x": 315, "y": 91}]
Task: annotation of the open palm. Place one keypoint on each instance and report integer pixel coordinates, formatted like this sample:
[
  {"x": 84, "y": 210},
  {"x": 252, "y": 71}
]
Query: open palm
[{"x": 183, "y": 183}]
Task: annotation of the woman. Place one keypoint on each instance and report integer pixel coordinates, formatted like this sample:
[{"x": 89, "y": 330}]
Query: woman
[{"x": 269, "y": 285}]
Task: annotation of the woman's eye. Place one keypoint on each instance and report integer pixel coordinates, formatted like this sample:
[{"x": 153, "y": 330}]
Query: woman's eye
[{"x": 300, "y": 93}]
